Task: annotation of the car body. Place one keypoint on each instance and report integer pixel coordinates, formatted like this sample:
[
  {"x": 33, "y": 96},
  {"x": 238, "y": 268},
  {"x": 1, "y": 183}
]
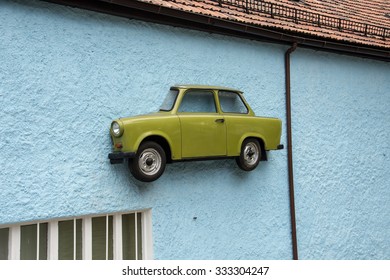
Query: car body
[{"x": 194, "y": 122}]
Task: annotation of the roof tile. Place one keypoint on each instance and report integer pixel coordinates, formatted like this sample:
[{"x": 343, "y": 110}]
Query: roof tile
[{"x": 362, "y": 17}]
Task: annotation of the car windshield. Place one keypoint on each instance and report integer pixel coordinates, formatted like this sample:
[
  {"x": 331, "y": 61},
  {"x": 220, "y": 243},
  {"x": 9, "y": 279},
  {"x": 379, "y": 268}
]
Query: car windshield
[{"x": 169, "y": 100}]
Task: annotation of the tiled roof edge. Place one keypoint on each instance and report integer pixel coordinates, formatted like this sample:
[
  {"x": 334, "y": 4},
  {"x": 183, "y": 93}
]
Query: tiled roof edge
[
  {"x": 148, "y": 10},
  {"x": 313, "y": 18}
]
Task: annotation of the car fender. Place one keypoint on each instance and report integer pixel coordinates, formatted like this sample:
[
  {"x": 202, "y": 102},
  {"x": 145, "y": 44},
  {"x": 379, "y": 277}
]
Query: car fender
[{"x": 158, "y": 133}]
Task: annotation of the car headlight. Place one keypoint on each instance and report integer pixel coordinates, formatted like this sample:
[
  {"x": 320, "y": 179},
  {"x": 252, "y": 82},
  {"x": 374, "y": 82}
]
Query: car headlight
[{"x": 116, "y": 129}]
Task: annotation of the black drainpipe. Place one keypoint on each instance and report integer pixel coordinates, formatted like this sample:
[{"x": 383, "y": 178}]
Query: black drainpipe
[{"x": 289, "y": 152}]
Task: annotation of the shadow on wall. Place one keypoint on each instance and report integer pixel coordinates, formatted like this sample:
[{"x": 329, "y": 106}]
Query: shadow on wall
[{"x": 191, "y": 173}]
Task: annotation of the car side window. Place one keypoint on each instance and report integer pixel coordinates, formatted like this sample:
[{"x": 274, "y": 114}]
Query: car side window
[
  {"x": 198, "y": 101},
  {"x": 231, "y": 102}
]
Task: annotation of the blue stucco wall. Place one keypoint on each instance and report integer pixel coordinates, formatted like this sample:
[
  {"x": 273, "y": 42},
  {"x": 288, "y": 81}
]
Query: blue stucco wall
[
  {"x": 342, "y": 155},
  {"x": 66, "y": 73}
]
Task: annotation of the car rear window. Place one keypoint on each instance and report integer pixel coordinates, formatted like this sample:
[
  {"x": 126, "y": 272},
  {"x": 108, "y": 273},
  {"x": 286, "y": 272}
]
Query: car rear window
[{"x": 231, "y": 102}]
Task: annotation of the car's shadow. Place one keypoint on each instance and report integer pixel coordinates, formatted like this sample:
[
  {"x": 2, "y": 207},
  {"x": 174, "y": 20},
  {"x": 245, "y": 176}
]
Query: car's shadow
[{"x": 194, "y": 173}]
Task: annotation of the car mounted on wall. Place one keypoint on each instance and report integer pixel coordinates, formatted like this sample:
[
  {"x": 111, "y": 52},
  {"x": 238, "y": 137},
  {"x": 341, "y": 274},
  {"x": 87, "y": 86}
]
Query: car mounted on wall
[{"x": 194, "y": 122}]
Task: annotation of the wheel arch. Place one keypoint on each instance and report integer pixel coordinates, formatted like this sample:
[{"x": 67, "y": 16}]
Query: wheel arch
[
  {"x": 163, "y": 142},
  {"x": 261, "y": 143}
]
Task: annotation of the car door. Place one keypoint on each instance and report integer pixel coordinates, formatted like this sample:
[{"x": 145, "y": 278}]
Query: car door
[
  {"x": 203, "y": 130},
  {"x": 236, "y": 119}
]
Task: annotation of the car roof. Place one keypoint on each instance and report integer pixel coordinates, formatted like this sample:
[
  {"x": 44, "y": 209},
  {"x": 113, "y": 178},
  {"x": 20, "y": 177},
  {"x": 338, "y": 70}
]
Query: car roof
[{"x": 205, "y": 87}]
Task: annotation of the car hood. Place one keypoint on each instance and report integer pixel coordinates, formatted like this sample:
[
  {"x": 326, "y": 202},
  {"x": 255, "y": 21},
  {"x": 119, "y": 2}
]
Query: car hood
[{"x": 144, "y": 117}]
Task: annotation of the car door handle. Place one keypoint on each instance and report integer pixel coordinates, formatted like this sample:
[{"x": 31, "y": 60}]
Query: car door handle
[{"x": 220, "y": 120}]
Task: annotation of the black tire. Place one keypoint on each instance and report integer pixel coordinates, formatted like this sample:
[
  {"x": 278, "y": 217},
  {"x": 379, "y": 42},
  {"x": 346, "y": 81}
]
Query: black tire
[
  {"x": 149, "y": 162},
  {"x": 250, "y": 154}
]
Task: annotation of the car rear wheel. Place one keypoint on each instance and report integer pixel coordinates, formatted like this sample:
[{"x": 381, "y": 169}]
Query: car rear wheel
[
  {"x": 250, "y": 154},
  {"x": 149, "y": 162}
]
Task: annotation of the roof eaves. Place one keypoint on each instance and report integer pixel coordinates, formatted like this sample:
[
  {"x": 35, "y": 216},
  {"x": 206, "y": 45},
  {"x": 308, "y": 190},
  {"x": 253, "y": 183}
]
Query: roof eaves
[{"x": 149, "y": 11}]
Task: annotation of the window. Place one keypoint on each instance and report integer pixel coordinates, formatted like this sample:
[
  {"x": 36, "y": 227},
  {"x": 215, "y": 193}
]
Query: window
[
  {"x": 4, "y": 233},
  {"x": 102, "y": 238},
  {"x": 231, "y": 102},
  {"x": 131, "y": 223},
  {"x": 124, "y": 236},
  {"x": 33, "y": 242},
  {"x": 198, "y": 101},
  {"x": 70, "y": 239},
  {"x": 169, "y": 100}
]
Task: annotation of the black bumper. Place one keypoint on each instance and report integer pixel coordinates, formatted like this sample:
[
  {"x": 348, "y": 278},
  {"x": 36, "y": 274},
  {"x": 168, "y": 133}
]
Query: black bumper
[
  {"x": 280, "y": 147},
  {"x": 118, "y": 157}
]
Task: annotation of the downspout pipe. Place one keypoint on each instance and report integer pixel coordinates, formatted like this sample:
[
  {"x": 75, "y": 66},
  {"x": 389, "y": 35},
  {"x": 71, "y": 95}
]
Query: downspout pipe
[{"x": 289, "y": 151}]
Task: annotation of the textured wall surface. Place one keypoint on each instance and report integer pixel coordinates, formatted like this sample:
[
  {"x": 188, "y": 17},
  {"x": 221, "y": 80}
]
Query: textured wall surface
[
  {"x": 341, "y": 132},
  {"x": 66, "y": 73}
]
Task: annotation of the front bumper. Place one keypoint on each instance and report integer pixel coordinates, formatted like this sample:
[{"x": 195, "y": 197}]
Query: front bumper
[
  {"x": 118, "y": 157},
  {"x": 280, "y": 147}
]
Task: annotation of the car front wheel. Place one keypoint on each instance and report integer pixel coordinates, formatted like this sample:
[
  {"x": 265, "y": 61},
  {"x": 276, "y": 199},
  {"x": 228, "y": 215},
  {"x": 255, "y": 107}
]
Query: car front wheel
[
  {"x": 250, "y": 154},
  {"x": 149, "y": 162}
]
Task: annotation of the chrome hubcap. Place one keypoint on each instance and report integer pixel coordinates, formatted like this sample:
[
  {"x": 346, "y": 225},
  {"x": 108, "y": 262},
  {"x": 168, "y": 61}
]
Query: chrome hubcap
[
  {"x": 251, "y": 154},
  {"x": 149, "y": 162}
]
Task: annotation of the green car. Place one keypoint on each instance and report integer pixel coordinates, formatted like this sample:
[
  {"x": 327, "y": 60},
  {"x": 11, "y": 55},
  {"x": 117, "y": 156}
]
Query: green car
[{"x": 194, "y": 122}]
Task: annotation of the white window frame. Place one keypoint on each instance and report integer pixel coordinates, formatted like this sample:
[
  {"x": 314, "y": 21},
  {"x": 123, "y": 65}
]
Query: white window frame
[
  {"x": 14, "y": 243},
  {"x": 52, "y": 239}
]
